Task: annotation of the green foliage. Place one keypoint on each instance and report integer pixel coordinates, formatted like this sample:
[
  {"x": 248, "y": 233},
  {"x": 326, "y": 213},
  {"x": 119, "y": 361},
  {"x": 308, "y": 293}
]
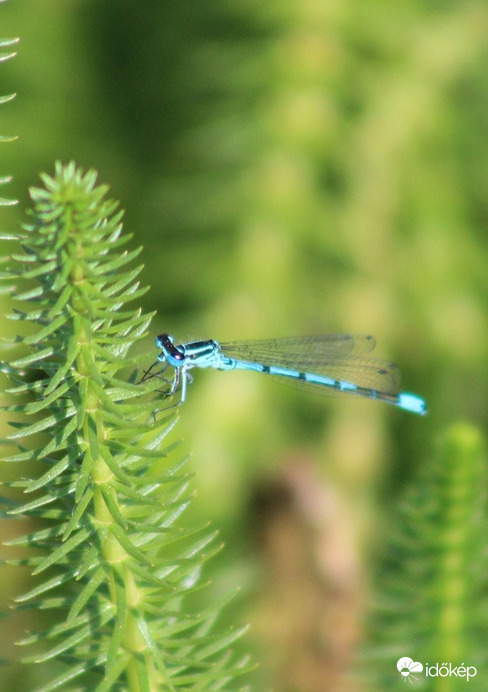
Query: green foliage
[
  {"x": 433, "y": 604},
  {"x": 290, "y": 168},
  {"x": 7, "y": 43},
  {"x": 112, "y": 561}
]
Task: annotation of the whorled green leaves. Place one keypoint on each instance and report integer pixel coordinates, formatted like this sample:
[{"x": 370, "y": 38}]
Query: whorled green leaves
[
  {"x": 431, "y": 601},
  {"x": 6, "y": 53},
  {"x": 111, "y": 557}
]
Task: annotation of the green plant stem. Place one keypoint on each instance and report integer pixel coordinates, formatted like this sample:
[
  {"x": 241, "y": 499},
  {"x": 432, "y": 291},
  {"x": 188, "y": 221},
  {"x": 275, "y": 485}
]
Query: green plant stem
[{"x": 108, "y": 507}]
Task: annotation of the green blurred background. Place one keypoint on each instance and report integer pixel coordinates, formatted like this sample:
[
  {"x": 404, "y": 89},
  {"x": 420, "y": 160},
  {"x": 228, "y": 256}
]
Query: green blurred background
[{"x": 290, "y": 168}]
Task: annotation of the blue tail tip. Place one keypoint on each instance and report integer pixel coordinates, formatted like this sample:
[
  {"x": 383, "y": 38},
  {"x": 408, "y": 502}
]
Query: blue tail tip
[{"x": 413, "y": 403}]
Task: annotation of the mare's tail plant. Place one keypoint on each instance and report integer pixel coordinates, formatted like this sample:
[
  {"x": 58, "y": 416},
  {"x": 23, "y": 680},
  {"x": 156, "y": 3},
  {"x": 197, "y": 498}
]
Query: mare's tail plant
[
  {"x": 111, "y": 559},
  {"x": 430, "y": 623},
  {"x": 6, "y": 53}
]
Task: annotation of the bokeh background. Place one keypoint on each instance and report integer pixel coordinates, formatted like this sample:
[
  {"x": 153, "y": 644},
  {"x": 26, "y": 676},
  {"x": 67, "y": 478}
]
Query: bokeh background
[{"x": 290, "y": 168}]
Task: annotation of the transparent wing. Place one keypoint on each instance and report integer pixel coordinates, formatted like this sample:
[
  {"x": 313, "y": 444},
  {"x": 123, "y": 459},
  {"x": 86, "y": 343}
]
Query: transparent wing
[
  {"x": 307, "y": 348},
  {"x": 340, "y": 356}
]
